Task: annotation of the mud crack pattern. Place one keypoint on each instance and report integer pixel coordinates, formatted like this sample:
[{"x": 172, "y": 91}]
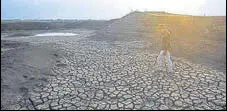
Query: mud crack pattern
[{"x": 121, "y": 75}]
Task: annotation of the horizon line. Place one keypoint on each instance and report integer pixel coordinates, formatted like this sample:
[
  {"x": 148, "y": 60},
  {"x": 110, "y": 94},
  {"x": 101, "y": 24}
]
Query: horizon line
[{"x": 20, "y": 19}]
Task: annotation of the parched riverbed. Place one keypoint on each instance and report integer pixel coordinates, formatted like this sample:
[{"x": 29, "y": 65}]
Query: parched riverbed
[{"x": 90, "y": 74}]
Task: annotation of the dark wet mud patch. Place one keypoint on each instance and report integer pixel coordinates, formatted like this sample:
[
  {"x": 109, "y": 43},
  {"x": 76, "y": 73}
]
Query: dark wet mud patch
[
  {"x": 25, "y": 76},
  {"x": 23, "y": 90},
  {"x": 56, "y": 55}
]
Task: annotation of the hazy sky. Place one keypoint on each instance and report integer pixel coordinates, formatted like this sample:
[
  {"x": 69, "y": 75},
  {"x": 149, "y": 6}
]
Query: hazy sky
[{"x": 104, "y": 9}]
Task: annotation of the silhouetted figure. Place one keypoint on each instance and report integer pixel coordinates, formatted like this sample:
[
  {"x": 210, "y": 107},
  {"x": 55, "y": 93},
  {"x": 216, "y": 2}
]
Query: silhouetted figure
[{"x": 165, "y": 49}]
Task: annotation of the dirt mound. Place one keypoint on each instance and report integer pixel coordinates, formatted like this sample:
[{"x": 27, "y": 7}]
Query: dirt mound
[{"x": 192, "y": 36}]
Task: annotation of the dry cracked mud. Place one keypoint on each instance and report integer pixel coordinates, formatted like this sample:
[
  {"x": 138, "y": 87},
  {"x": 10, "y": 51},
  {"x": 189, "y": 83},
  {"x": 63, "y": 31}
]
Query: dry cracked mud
[{"x": 93, "y": 74}]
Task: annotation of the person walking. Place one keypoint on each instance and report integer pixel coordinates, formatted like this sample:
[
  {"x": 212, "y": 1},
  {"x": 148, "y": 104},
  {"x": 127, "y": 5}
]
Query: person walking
[{"x": 165, "y": 49}]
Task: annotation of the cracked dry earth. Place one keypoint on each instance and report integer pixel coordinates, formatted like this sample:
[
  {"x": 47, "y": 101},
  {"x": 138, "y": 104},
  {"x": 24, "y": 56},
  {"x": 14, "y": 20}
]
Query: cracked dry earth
[{"x": 122, "y": 75}]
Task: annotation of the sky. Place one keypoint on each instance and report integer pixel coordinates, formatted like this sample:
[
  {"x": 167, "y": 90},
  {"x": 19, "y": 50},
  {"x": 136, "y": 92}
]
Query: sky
[{"x": 105, "y": 9}]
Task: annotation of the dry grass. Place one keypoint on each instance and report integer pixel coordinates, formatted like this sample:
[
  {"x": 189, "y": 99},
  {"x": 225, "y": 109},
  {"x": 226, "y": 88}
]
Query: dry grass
[
  {"x": 193, "y": 36},
  {"x": 190, "y": 33}
]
